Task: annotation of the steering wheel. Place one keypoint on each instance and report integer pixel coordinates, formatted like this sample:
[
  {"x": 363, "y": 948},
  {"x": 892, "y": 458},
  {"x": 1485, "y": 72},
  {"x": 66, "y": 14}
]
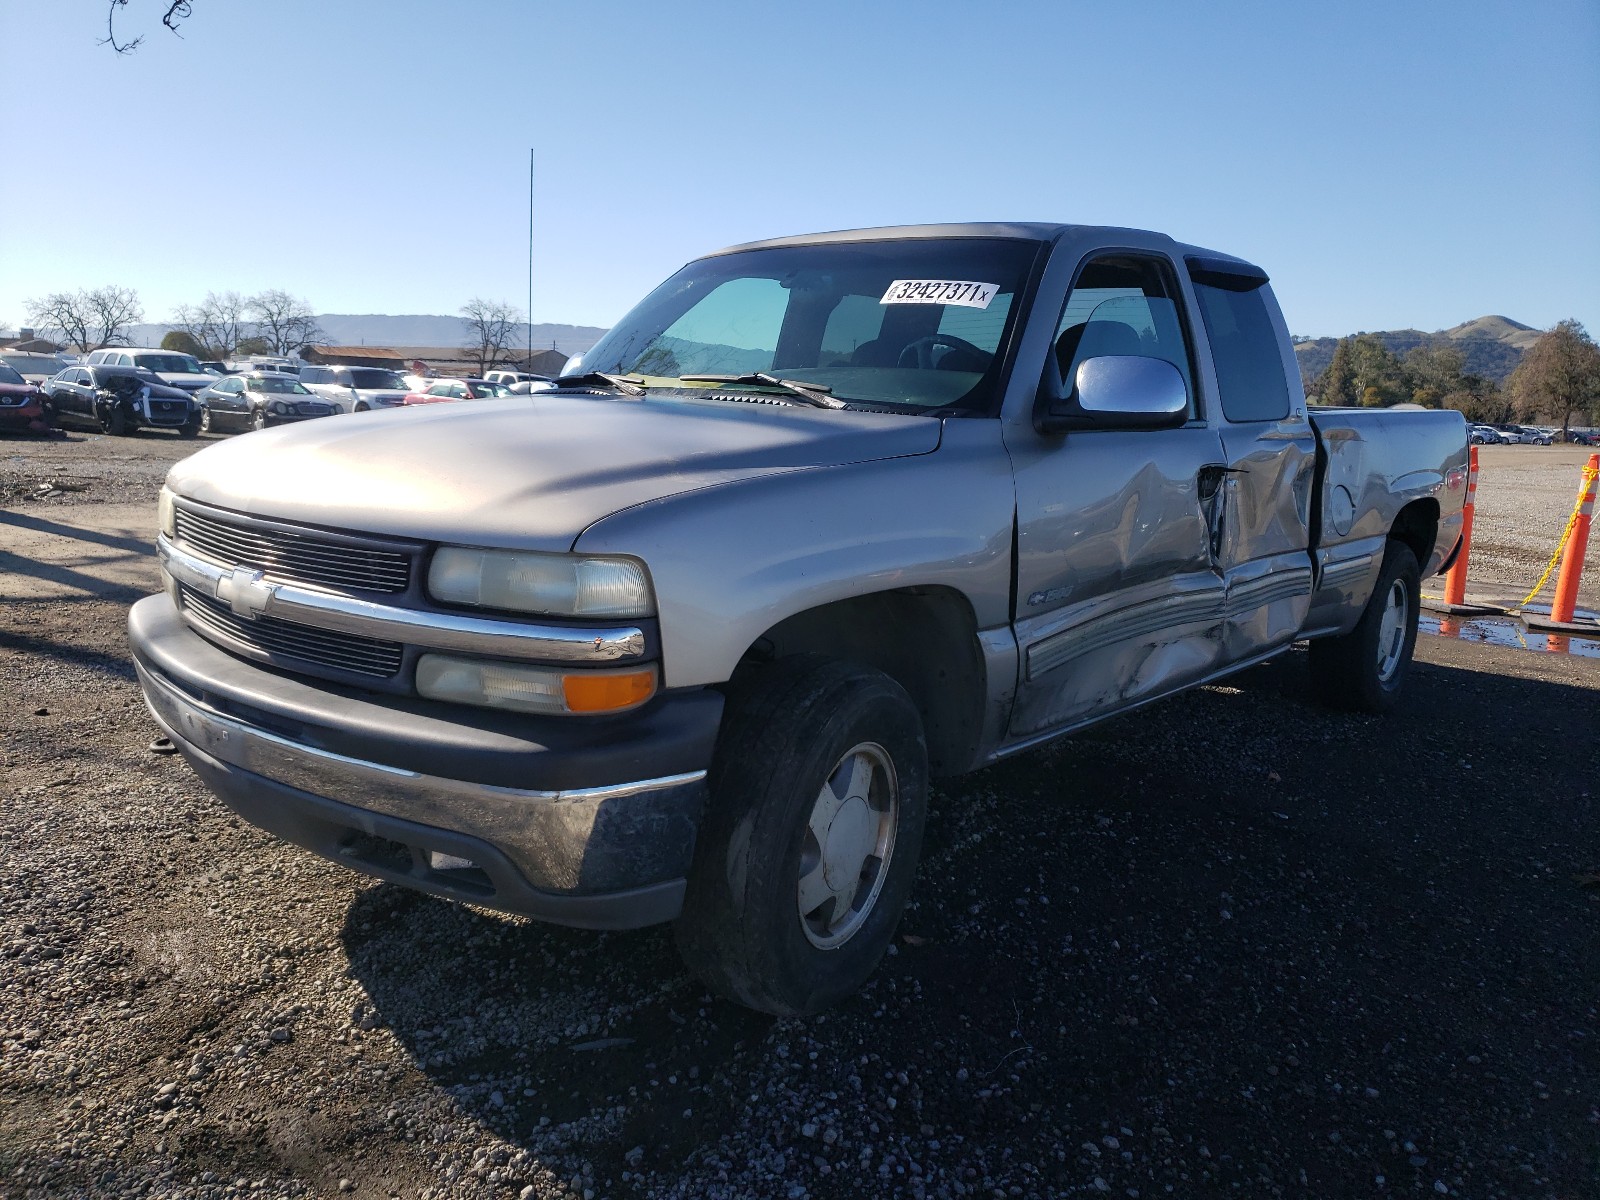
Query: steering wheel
[{"x": 921, "y": 351}]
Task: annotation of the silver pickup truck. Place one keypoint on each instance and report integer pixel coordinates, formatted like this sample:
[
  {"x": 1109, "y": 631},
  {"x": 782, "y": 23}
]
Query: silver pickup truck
[{"x": 684, "y": 638}]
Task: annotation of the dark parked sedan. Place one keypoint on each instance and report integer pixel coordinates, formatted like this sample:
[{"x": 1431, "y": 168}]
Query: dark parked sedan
[
  {"x": 22, "y": 409},
  {"x": 120, "y": 400},
  {"x": 257, "y": 400}
]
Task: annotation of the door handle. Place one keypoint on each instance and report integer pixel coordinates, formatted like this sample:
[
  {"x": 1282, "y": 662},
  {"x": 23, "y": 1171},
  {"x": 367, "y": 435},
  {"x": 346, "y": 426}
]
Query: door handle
[{"x": 1211, "y": 475}]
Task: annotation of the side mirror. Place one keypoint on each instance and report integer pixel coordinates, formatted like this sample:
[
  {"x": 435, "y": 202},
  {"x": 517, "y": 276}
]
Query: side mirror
[{"x": 1116, "y": 391}]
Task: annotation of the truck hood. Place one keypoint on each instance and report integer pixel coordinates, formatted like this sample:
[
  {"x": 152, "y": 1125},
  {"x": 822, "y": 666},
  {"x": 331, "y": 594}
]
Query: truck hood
[{"x": 525, "y": 471}]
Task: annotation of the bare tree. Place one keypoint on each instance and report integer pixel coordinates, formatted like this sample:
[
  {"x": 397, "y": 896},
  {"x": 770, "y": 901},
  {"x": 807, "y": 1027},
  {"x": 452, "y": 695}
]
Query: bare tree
[
  {"x": 177, "y": 10},
  {"x": 283, "y": 321},
  {"x": 217, "y": 322},
  {"x": 88, "y": 319},
  {"x": 490, "y": 326}
]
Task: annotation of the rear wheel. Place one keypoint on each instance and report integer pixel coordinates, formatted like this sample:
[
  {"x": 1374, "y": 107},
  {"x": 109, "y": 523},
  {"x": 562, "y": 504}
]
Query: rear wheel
[
  {"x": 1365, "y": 670},
  {"x": 809, "y": 845}
]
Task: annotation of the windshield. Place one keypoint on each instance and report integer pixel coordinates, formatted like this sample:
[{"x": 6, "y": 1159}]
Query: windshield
[
  {"x": 920, "y": 322},
  {"x": 7, "y": 375},
  {"x": 171, "y": 364},
  {"x": 371, "y": 378},
  {"x": 276, "y": 383}
]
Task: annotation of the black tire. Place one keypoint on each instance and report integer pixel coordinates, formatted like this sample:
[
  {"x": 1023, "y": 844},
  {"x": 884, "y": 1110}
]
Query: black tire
[
  {"x": 191, "y": 427},
  {"x": 205, "y": 421},
  {"x": 361, "y": 408},
  {"x": 258, "y": 418},
  {"x": 1351, "y": 672},
  {"x": 114, "y": 421},
  {"x": 789, "y": 727}
]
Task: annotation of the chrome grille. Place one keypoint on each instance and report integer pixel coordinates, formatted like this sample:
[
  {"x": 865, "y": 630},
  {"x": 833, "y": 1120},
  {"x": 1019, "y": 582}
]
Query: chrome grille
[
  {"x": 293, "y": 557},
  {"x": 341, "y": 651}
]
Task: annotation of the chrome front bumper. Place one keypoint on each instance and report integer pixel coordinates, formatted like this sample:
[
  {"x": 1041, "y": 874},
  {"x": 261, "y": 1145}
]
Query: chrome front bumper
[{"x": 608, "y": 856}]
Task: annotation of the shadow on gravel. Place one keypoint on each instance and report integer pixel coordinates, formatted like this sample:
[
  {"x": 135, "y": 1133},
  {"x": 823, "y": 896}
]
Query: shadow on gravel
[
  {"x": 38, "y": 524},
  {"x": 65, "y": 652},
  {"x": 1269, "y": 946},
  {"x": 66, "y": 577}
]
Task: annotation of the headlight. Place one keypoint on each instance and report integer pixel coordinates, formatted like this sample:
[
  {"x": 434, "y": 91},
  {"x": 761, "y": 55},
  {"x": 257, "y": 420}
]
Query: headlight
[
  {"x": 527, "y": 581},
  {"x": 166, "y": 522},
  {"x": 528, "y": 689}
]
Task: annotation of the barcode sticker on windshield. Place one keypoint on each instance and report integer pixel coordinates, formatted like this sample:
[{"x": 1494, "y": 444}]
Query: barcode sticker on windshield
[{"x": 961, "y": 292}]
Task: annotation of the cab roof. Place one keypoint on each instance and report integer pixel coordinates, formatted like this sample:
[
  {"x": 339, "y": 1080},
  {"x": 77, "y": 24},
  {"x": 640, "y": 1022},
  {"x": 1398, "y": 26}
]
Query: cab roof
[{"x": 1047, "y": 232}]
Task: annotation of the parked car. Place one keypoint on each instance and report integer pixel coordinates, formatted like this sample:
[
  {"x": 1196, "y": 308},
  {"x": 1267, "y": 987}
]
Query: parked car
[
  {"x": 171, "y": 368},
  {"x": 510, "y": 379},
  {"x": 22, "y": 406},
  {"x": 1484, "y": 435},
  {"x": 35, "y": 368},
  {"x": 608, "y": 663},
  {"x": 1522, "y": 435},
  {"x": 443, "y": 390},
  {"x": 1582, "y": 437},
  {"x": 121, "y": 400},
  {"x": 355, "y": 389},
  {"x": 257, "y": 400}
]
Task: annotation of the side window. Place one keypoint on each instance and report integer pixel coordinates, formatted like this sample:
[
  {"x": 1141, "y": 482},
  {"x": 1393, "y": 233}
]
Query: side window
[
  {"x": 1244, "y": 349},
  {"x": 1124, "y": 304},
  {"x": 343, "y": 379}
]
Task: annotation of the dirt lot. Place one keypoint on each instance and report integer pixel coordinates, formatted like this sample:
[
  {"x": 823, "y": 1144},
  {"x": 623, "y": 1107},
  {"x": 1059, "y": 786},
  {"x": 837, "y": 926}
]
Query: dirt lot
[{"x": 1231, "y": 945}]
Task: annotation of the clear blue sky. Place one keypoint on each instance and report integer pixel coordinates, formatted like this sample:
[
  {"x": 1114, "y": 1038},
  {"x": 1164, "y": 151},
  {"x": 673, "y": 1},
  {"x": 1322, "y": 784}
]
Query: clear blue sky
[{"x": 1390, "y": 165}]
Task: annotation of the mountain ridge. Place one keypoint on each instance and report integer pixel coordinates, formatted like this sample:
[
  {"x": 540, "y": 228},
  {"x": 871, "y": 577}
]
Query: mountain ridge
[{"x": 1491, "y": 345}]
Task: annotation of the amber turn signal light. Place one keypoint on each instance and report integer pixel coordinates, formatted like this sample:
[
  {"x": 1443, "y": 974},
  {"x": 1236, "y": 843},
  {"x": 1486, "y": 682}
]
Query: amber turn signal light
[{"x": 610, "y": 692}]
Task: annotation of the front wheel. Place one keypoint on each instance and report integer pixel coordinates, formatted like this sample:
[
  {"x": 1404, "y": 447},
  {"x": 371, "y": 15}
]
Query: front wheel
[
  {"x": 205, "y": 420},
  {"x": 114, "y": 421},
  {"x": 1365, "y": 669},
  {"x": 810, "y": 841},
  {"x": 258, "y": 419}
]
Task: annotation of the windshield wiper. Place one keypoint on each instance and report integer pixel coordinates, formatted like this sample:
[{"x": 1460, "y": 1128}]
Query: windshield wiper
[
  {"x": 814, "y": 394},
  {"x": 620, "y": 384}
]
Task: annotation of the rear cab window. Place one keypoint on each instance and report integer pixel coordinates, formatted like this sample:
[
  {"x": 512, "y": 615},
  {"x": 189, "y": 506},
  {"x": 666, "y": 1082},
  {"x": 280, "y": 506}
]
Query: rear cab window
[{"x": 1244, "y": 344}]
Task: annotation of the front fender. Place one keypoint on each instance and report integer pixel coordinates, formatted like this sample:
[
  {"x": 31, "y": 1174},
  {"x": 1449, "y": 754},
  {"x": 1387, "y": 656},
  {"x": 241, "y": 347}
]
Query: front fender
[{"x": 730, "y": 562}]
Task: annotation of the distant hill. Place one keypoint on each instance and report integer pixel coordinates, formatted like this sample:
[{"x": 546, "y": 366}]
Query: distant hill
[
  {"x": 380, "y": 329},
  {"x": 1492, "y": 346}
]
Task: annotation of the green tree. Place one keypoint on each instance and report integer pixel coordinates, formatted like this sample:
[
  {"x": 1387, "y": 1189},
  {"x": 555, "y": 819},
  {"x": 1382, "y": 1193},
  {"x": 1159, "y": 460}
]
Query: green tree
[
  {"x": 183, "y": 343},
  {"x": 1336, "y": 385},
  {"x": 1559, "y": 377},
  {"x": 254, "y": 345},
  {"x": 1375, "y": 373},
  {"x": 1432, "y": 372}
]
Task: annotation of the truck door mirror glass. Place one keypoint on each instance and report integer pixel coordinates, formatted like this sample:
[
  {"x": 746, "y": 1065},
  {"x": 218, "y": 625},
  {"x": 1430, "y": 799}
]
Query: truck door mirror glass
[{"x": 1119, "y": 391}]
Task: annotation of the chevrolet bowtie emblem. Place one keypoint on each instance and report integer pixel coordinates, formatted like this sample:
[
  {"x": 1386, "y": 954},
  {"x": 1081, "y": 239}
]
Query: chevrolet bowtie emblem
[{"x": 245, "y": 592}]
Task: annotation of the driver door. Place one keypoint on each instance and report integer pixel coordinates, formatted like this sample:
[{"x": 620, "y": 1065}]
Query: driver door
[{"x": 1119, "y": 595}]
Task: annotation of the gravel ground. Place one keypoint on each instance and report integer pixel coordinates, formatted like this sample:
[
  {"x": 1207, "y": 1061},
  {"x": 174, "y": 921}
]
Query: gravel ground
[{"x": 1232, "y": 944}]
